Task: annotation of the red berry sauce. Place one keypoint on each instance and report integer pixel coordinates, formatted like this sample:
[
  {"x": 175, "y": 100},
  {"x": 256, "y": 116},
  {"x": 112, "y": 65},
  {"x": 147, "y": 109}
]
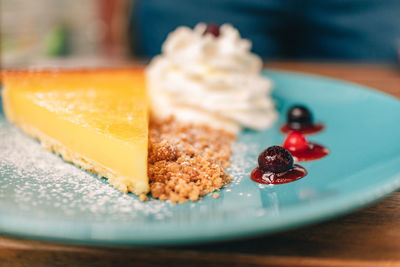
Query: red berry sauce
[
  {"x": 302, "y": 150},
  {"x": 306, "y": 129},
  {"x": 275, "y": 166},
  {"x": 314, "y": 151},
  {"x": 265, "y": 177}
]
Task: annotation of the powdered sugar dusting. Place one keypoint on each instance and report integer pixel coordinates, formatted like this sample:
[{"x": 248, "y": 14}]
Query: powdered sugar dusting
[
  {"x": 34, "y": 179},
  {"x": 240, "y": 163}
]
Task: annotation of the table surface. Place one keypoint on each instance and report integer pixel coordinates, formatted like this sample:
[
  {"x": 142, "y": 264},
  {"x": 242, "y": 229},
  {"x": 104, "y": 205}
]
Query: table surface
[{"x": 369, "y": 237}]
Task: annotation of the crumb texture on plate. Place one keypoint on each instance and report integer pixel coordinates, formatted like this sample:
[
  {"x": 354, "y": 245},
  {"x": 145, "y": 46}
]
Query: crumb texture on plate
[{"x": 187, "y": 161}]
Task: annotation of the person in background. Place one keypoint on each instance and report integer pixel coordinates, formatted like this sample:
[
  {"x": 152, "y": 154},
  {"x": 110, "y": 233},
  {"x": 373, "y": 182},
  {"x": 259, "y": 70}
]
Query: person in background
[{"x": 335, "y": 30}]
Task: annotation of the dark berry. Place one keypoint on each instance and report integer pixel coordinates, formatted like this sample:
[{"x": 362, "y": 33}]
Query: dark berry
[
  {"x": 212, "y": 29},
  {"x": 295, "y": 142},
  {"x": 298, "y": 117},
  {"x": 275, "y": 159}
]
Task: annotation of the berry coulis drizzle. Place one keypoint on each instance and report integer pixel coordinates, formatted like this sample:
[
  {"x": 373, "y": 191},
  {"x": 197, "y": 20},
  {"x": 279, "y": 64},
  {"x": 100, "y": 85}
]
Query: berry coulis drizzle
[
  {"x": 313, "y": 152},
  {"x": 293, "y": 174},
  {"x": 276, "y": 163},
  {"x": 308, "y": 129}
]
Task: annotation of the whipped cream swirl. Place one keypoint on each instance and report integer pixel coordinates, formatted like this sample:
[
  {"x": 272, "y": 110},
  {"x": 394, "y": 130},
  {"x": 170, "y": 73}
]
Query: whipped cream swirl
[{"x": 201, "y": 78}]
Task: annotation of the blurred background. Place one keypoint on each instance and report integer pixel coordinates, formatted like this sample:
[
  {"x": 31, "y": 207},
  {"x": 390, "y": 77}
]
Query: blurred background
[
  {"x": 72, "y": 33},
  {"x": 53, "y": 32}
]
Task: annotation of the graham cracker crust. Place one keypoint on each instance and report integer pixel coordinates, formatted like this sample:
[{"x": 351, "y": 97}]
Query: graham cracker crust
[{"x": 187, "y": 161}]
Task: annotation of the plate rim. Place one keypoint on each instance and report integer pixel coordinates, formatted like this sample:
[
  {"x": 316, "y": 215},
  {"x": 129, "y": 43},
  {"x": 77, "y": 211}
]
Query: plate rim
[{"x": 319, "y": 211}]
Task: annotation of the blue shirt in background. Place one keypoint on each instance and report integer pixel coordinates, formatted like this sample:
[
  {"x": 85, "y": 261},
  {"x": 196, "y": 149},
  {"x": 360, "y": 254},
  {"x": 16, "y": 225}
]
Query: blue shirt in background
[{"x": 353, "y": 30}]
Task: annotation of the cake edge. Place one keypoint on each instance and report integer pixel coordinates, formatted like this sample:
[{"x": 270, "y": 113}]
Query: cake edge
[{"x": 50, "y": 144}]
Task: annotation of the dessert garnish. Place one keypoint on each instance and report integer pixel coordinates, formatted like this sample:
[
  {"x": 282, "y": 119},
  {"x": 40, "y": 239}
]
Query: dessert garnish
[
  {"x": 296, "y": 142},
  {"x": 301, "y": 149},
  {"x": 299, "y": 118},
  {"x": 275, "y": 166},
  {"x": 212, "y": 81},
  {"x": 275, "y": 159},
  {"x": 212, "y": 29}
]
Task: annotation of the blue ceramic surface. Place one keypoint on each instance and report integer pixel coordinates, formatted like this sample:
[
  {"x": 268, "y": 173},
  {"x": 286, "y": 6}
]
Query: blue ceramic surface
[{"x": 43, "y": 197}]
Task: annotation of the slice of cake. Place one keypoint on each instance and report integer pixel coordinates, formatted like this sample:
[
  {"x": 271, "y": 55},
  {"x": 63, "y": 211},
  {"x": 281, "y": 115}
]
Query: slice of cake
[{"x": 97, "y": 119}]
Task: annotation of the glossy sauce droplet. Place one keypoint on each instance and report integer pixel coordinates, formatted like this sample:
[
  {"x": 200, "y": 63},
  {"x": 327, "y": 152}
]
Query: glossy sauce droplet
[
  {"x": 309, "y": 129},
  {"x": 314, "y": 151},
  {"x": 263, "y": 177}
]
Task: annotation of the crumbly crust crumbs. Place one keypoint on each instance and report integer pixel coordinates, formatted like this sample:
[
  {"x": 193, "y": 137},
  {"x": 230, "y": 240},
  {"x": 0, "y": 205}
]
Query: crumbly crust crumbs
[
  {"x": 186, "y": 162},
  {"x": 143, "y": 197}
]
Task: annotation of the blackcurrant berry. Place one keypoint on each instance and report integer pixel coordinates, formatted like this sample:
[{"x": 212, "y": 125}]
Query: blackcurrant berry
[{"x": 275, "y": 159}]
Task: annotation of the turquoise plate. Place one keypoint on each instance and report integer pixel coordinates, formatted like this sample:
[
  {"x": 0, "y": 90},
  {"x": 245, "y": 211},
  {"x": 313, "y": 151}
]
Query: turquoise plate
[{"x": 43, "y": 197}]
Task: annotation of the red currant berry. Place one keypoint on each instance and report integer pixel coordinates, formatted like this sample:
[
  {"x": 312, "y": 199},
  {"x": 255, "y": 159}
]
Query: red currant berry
[{"x": 295, "y": 142}]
